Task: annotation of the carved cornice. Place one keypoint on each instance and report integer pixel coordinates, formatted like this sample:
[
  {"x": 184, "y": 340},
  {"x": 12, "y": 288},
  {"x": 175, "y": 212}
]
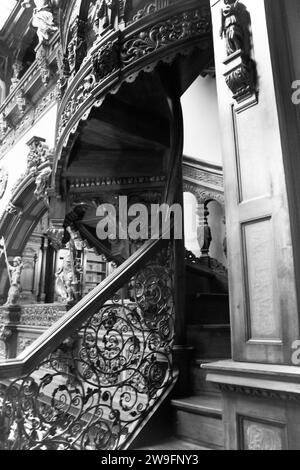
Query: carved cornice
[
  {"x": 90, "y": 183},
  {"x": 259, "y": 392}
]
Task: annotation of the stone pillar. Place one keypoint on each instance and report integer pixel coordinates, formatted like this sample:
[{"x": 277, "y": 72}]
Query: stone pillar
[{"x": 260, "y": 386}]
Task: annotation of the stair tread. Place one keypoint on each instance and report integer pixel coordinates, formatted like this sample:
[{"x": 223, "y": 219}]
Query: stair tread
[
  {"x": 200, "y": 404},
  {"x": 174, "y": 444}
]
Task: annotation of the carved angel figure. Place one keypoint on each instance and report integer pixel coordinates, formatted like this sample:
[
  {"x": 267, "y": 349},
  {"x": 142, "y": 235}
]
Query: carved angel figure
[
  {"x": 232, "y": 26},
  {"x": 15, "y": 271},
  {"x": 43, "y": 20}
]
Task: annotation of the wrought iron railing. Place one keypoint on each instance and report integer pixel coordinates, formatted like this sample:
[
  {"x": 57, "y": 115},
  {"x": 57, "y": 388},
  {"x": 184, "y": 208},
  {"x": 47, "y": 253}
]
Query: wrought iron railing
[{"x": 93, "y": 379}]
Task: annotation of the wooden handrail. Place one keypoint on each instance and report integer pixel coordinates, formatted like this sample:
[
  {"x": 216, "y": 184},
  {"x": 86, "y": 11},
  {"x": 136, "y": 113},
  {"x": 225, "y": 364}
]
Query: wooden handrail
[{"x": 38, "y": 351}]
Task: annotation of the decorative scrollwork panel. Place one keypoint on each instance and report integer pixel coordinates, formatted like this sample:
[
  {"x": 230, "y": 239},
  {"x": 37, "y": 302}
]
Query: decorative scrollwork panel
[{"x": 94, "y": 391}]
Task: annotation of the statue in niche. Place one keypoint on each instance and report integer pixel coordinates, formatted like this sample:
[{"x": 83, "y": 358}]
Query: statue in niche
[
  {"x": 67, "y": 276},
  {"x": 15, "y": 272},
  {"x": 105, "y": 14},
  {"x": 235, "y": 21},
  {"x": 43, "y": 19}
]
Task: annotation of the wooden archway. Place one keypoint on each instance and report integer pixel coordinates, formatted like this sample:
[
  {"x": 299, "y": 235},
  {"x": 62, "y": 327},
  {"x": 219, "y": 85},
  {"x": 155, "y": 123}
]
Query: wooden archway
[{"x": 17, "y": 224}]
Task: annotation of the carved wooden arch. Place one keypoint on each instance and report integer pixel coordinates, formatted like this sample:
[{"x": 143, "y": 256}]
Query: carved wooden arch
[
  {"x": 18, "y": 222},
  {"x": 202, "y": 195},
  {"x": 82, "y": 7}
]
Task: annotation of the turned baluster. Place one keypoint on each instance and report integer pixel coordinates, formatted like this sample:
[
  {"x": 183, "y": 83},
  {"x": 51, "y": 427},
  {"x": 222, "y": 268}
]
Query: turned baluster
[{"x": 207, "y": 233}]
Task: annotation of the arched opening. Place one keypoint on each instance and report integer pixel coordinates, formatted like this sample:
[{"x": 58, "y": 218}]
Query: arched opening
[{"x": 207, "y": 302}]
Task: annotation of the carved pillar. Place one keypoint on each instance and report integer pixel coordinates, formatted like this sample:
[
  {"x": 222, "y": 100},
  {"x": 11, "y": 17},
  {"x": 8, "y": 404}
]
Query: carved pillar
[
  {"x": 9, "y": 329},
  {"x": 50, "y": 274},
  {"x": 207, "y": 235},
  {"x": 41, "y": 294}
]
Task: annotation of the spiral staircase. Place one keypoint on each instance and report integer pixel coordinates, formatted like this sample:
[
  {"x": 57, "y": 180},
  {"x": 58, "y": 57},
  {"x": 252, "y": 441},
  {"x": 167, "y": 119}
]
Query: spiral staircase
[{"x": 98, "y": 376}]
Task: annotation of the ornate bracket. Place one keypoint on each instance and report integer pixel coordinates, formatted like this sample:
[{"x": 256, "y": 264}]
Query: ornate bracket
[{"x": 240, "y": 74}]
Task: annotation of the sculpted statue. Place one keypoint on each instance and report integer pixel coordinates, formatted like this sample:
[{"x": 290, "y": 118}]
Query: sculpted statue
[
  {"x": 42, "y": 182},
  {"x": 15, "y": 272},
  {"x": 105, "y": 14},
  {"x": 233, "y": 26},
  {"x": 43, "y": 19},
  {"x": 66, "y": 276}
]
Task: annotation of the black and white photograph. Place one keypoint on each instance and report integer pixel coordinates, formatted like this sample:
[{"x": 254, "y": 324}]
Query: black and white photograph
[{"x": 149, "y": 228}]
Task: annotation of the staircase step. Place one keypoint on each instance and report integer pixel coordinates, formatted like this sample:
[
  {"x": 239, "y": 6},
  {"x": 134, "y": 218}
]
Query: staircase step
[
  {"x": 209, "y": 309},
  {"x": 199, "y": 419},
  {"x": 174, "y": 444},
  {"x": 198, "y": 379},
  {"x": 210, "y": 341}
]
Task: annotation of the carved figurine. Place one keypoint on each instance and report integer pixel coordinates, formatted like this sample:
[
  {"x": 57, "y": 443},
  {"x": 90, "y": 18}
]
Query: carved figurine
[
  {"x": 66, "y": 276},
  {"x": 41, "y": 183},
  {"x": 43, "y": 19},
  {"x": 15, "y": 272},
  {"x": 105, "y": 14},
  {"x": 232, "y": 26}
]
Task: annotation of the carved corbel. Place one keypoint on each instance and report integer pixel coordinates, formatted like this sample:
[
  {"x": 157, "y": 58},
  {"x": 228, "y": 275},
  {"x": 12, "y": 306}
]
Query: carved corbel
[{"x": 240, "y": 74}]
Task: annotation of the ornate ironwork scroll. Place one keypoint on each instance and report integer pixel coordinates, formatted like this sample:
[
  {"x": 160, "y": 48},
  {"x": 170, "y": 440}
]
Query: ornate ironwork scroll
[{"x": 94, "y": 391}]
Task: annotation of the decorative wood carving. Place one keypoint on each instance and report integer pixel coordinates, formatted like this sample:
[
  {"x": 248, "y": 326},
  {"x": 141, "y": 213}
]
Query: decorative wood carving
[
  {"x": 43, "y": 64},
  {"x": 44, "y": 20},
  {"x": 39, "y": 166},
  {"x": 261, "y": 436},
  {"x": 260, "y": 393},
  {"x": 240, "y": 72},
  {"x": 120, "y": 52},
  {"x": 176, "y": 28},
  {"x": 106, "y": 60}
]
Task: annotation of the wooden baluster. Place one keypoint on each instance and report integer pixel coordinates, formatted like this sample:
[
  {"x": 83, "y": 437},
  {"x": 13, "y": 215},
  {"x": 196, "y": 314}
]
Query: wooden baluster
[{"x": 207, "y": 235}]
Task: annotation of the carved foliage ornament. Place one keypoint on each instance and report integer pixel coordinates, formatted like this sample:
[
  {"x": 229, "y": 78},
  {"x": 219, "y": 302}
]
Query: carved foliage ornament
[
  {"x": 240, "y": 72},
  {"x": 177, "y": 28},
  {"x": 113, "y": 56}
]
